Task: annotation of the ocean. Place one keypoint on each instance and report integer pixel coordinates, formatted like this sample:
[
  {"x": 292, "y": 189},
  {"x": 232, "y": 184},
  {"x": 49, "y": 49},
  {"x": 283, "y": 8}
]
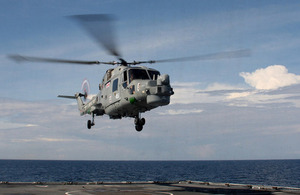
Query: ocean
[{"x": 256, "y": 172}]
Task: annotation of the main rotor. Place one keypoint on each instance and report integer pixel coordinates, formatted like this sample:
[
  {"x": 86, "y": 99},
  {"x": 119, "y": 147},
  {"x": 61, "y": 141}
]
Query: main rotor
[{"x": 100, "y": 28}]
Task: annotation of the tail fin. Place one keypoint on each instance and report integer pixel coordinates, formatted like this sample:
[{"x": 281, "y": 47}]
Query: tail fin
[{"x": 80, "y": 103}]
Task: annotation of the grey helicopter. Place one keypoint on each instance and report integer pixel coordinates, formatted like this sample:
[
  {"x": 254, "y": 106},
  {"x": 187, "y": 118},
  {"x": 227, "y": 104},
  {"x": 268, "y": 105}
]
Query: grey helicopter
[{"x": 126, "y": 90}]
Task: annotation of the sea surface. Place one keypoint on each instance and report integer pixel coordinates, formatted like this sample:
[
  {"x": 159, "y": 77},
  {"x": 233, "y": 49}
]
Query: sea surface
[{"x": 256, "y": 172}]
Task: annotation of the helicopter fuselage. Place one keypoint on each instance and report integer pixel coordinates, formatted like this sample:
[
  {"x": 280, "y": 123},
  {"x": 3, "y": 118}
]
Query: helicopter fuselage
[{"x": 128, "y": 91}]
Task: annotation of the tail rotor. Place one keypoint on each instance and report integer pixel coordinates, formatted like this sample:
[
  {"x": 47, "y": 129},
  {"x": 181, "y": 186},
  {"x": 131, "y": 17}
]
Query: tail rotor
[{"x": 85, "y": 88}]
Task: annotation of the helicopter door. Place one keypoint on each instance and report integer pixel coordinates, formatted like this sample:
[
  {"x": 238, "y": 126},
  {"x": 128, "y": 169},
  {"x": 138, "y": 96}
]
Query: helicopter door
[
  {"x": 124, "y": 83},
  {"x": 115, "y": 91}
]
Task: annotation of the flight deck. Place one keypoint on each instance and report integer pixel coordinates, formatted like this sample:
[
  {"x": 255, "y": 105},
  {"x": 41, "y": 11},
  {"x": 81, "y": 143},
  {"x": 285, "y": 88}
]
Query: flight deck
[{"x": 138, "y": 188}]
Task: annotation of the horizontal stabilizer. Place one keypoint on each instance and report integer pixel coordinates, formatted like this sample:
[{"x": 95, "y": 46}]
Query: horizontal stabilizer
[{"x": 67, "y": 96}]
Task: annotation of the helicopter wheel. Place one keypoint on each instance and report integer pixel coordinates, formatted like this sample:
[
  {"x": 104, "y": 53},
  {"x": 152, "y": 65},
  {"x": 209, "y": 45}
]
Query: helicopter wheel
[
  {"x": 142, "y": 121},
  {"x": 139, "y": 128},
  {"x": 89, "y": 124},
  {"x": 139, "y": 123}
]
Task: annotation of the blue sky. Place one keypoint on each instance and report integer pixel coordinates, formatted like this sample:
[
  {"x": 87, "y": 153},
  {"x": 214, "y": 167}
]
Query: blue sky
[{"x": 245, "y": 108}]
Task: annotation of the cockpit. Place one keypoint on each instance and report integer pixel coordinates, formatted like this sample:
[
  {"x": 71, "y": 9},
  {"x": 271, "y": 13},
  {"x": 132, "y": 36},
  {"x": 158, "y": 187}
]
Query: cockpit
[
  {"x": 138, "y": 74},
  {"x": 142, "y": 74},
  {"x": 131, "y": 74}
]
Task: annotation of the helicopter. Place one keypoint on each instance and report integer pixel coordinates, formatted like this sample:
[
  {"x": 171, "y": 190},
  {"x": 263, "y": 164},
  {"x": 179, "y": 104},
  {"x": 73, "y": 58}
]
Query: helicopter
[{"x": 126, "y": 90}]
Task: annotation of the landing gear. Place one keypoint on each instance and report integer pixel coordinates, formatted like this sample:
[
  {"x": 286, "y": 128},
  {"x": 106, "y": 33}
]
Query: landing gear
[
  {"x": 139, "y": 123},
  {"x": 91, "y": 123}
]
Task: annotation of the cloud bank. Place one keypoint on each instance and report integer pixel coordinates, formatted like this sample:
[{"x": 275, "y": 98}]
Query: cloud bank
[{"x": 266, "y": 83}]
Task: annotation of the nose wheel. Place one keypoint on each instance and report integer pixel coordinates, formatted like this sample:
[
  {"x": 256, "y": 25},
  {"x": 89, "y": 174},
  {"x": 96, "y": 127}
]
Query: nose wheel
[{"x": 139, "y": 123}]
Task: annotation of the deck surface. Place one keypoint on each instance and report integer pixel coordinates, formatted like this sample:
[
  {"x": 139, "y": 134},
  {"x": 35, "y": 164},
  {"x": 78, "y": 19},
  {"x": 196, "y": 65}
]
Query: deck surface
[{"x": 139, "y": 188}]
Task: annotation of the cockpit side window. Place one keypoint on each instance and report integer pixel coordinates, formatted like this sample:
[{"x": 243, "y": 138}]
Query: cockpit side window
[
  {"x": 109, "y": 74},
  {"x": 125, "y": 79},
  {"x": 140, "y": 74},
  {"x": 115, "y": 85},
  {"x": 153, "y": 74}
]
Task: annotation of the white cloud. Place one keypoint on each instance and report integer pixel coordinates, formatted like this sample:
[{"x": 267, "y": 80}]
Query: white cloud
[
  {"x": 236, "y": 95},
  {"x": 259, "y": 98},
  {"x": 8, "y": 125},
  {"x": 221, "y": 86},
  {"x": 180, "y": 111},
  {"x": 203, "y": 151},
  {"x": 186, "y": 93},
  {"x": 270, "y": 78},
  {"x": 190, "y": 92},
  {"x": 185, "y": 84},
  {"x": 45, "y": 139}
]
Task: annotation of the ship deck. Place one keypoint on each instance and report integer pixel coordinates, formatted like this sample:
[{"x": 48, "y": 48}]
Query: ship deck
[{"x": 138, "y": 188}]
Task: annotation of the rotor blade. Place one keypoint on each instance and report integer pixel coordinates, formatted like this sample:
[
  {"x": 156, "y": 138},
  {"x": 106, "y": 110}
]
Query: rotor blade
[
  {"x": 99, "y": 26},
  {"x": 67, "y": 96},
  {"x": 19, "y": 58},
  {"x": 213, "y": 56}
]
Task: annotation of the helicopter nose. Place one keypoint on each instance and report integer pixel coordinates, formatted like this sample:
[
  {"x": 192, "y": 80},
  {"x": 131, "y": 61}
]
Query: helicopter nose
[
  {"x": 156, "y": 100},
  {"x": 159, "y": 91}
]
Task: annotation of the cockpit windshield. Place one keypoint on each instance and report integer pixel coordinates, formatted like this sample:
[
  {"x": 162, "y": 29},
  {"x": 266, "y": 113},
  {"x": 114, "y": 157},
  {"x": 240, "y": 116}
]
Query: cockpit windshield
[
  {"x": 153, "y": 74},
  {"x": 138, "y": 74}
]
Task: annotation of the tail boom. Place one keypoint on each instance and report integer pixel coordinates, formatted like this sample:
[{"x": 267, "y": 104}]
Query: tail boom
[{"x": 91, "y": 107}]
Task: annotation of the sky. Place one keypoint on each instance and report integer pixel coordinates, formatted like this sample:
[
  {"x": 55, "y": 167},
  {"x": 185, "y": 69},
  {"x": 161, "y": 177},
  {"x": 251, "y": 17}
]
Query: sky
[{"x": 225, "y": 109}]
